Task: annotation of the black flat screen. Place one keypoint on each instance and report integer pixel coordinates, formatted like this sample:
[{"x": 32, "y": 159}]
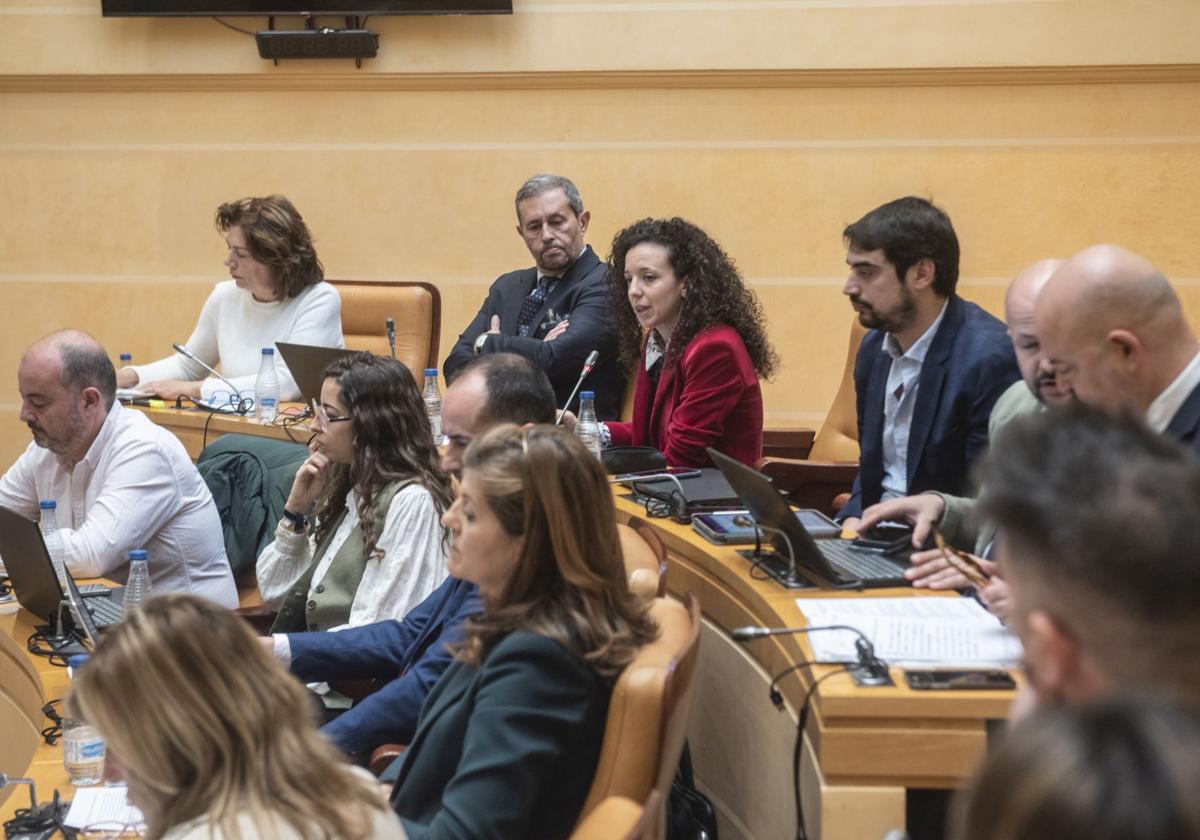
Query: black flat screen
[{"x": 222, "y": 8}]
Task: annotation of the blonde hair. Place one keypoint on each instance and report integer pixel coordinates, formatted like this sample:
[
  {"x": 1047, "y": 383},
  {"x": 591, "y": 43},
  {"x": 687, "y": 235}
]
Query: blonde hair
[
  {"x": 208, "y": 725},
  {"x": 569, "y": 583}
]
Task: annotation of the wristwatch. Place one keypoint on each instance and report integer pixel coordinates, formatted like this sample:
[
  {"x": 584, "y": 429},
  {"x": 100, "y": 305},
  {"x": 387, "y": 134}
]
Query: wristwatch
[
  {"x": 298, "y": 521},
  {"x": 479, "y": 342}
]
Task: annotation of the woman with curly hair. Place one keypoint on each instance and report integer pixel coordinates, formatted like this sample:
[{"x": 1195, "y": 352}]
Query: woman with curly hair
[
  {"x": 697, "y": 335},
  {"x": 361, "y": 539}
]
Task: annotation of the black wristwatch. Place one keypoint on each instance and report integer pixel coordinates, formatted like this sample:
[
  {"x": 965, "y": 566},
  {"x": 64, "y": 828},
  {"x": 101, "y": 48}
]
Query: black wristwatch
[{"x": 298, "y": 520}]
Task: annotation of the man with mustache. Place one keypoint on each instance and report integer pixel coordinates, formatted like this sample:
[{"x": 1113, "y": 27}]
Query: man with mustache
[
  {"x": 120, "y": 482},
  {"x": 955, "y": 515},
  {"x": 555, "y": 313},
  {"x": 933, "y": 365}
]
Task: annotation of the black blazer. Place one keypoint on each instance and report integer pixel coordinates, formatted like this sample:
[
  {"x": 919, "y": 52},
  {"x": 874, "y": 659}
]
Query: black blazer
[
  {"x": 1185, "y": 425},
  {"x": 582, "y": 293},
  {"x": 506, "y": 751},
  {"x": 969, "y": 365}
]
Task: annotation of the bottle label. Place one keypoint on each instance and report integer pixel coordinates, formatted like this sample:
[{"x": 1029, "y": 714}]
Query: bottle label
[
  {"x": 82, "y": 751},
  {"x": 266, "y": 402}
]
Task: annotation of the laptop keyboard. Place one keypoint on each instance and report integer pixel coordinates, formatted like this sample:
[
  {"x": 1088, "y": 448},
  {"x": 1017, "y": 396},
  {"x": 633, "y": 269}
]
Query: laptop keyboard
[
  {"x": 854, "y": 565},
  {"x": 105, "y": 611}
]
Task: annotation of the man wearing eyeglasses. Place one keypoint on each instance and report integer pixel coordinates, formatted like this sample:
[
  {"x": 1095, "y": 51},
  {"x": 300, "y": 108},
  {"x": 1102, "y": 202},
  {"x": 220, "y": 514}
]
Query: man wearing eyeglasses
[
  {"x": 412, "y": 654},
  {"x": 119, "y": 481}
]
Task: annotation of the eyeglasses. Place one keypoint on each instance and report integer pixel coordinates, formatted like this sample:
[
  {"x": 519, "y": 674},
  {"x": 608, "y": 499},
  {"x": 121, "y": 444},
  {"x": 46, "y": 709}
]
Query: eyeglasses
[
  {"x": 965, "y": 564},
  {"x": 322, "y": 419}
]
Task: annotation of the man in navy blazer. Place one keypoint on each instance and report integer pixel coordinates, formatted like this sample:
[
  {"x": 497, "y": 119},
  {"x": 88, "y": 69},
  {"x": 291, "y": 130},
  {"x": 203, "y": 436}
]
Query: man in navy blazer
[
  {"x": 1118, "y": 339},
  {"x": 411, "y": 655},
  {"x": 932, "y": 365},
  {"x": 555, "y": 313}
]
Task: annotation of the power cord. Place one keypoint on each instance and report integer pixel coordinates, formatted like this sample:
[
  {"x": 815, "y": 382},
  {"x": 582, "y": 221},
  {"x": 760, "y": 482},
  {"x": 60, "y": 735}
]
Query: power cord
[
  {"x": 37, "y": 822},
  {"x": 801, "y": 725},
  {"x": 53, "y": 732},
  {"x": 56, "y": 649}
]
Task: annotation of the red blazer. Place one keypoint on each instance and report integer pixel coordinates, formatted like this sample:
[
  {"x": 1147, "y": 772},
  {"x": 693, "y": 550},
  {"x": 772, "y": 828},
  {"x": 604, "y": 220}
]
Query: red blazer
[{"x": 709, "y": 397}]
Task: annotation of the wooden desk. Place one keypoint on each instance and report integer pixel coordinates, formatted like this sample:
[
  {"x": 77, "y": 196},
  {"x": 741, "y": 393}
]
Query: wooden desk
[
  {"x": 189, "y": 425},
  {"x": 865, "y": 746}
]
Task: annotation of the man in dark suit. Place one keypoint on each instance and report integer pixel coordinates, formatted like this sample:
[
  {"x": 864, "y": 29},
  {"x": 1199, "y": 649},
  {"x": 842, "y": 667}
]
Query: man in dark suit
[
  {"x": 1118, "y": 339},
  {"x": 555, "y": 313},
  {"x": 933, "y": 364},
  {"x": 412, "y": 654}
]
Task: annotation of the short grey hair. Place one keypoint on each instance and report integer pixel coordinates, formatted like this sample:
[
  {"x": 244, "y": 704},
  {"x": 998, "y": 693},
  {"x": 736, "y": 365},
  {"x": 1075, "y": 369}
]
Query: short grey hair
[{"x": 544, "y": 183}]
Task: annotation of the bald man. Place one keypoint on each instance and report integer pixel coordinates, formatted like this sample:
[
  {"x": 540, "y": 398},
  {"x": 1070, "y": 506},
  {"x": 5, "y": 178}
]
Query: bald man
[
  {"x": 1115, "y": 333},
  {"x": 120, "y": 481},
  {"x": 955, "y": 515}
]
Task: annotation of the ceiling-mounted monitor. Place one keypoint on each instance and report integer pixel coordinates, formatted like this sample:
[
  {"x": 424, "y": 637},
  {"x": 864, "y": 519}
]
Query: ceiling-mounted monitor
[{"x": 231, "y": 8}]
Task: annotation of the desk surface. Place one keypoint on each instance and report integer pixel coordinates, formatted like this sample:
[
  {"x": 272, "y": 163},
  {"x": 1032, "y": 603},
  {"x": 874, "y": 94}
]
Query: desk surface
[{"x": 196, "y": 427}]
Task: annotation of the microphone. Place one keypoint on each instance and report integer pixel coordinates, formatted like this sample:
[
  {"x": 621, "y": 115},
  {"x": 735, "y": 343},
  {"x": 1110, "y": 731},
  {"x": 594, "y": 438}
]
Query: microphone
[
  {"x": 588, "y": 364},
  {"x": 390, "y": 326},
  {"x": 870, "y": 670},
  {"x": 183, "y": 351}
]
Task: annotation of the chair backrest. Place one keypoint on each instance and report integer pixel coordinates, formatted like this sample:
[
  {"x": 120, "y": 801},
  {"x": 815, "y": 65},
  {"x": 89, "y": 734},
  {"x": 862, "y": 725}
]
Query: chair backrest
[
  {"x": 645, "y": 558},
  {"x": 838, "y": 438},
  {"x": 619, "y": 818},
  {"x": 20, "y": 681},
  {"x": 647, "y": 715},
  {"x": 415, "y": 307}
]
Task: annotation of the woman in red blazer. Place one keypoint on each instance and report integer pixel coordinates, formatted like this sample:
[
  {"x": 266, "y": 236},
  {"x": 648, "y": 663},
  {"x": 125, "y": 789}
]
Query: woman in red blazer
[{"x": 697, "y": 336}]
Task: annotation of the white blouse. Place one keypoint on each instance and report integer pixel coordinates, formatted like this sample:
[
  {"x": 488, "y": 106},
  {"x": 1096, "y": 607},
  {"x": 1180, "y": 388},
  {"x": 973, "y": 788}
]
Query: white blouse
[{"x": 412, "y": 566}]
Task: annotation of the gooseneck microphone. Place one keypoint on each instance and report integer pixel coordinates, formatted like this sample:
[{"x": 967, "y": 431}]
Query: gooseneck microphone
[
  {"x": 183, "y": 351},
  {"x": 871, "y": 670},
  {"x": 588, "y": 364},
  {"x": 390, "y": 326}
]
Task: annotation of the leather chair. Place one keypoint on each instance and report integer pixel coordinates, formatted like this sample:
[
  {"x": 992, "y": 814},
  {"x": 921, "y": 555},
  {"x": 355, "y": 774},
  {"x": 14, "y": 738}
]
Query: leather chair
[
  {"x": 648, "y": 713},
  {"x": 415, "y": 307},
  {"x": 822, "y": 477},
  {"x": 619, "y": 818}
]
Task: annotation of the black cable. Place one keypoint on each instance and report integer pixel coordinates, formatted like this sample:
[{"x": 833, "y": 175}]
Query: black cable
[
  {"x": 38, "y": 821},
  {"x": 801, "y": 724},
  {"x": 5, "y": 586},
  {"x": 53, "y": 732},
  {"x": 40, "y": 644},
  {"x": 234, "y": 28}
]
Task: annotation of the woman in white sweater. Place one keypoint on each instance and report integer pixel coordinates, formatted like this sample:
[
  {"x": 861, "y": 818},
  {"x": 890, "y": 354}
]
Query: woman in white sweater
[
  {"x": 215, "y": 740},
  {"x": 362, "y": 538},
  {"x": 277, "y": 293}
]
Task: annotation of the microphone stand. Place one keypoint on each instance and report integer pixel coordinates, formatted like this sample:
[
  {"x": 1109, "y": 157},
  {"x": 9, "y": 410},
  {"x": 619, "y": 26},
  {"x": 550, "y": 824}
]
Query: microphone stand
[
  {"x": 183, "y": 351},
  {"x": 588, "y": 364},
  {"x": 390, "y": 326}
]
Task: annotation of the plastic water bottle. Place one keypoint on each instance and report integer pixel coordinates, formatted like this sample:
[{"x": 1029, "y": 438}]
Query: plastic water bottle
[
  {"x": 137, "y": 587},
  {"x": 433, "y": 404},
  {"x": 83, "y": 748},
  {"x": 126, "y": 360},
  {"x": 48, "y": 523},
  {"x": 587, "y": 429},
  {"x": 266, "y": 388}
]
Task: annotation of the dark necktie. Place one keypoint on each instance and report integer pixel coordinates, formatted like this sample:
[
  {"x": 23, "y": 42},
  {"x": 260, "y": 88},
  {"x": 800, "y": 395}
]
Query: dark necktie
[{"x": 532, "y": 303}]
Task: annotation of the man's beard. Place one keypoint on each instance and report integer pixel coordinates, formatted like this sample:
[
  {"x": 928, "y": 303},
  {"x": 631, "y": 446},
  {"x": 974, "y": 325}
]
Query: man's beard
[
  {"x": 59, "y": 445},
  {"x": 895, "y": 320}
]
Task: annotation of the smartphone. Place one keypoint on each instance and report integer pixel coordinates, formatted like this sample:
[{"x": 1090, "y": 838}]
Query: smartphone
[
  {"x": 888, "y": 538},
  {"x": 678, "y": 472},
  {"x": 736, "y": 527},
  {"x": 981, "y": 680}
]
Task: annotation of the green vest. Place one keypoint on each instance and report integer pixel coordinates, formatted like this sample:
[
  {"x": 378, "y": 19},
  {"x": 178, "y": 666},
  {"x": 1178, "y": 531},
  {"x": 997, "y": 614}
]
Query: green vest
[{"x": 328, "y": 604}]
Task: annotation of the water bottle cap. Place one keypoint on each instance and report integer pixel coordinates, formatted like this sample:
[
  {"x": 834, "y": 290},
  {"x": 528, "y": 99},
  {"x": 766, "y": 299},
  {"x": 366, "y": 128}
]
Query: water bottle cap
[
  {"x": 587, "y": 395},
  {"x": 138, "y": 554},
  {"x": 431, "y": 372},
  {"x": 125, "y": 356},
  {"x": 77, "y": 661},
  {"x": 268, "y": 351},
  {"x": 47, "y": 504}
]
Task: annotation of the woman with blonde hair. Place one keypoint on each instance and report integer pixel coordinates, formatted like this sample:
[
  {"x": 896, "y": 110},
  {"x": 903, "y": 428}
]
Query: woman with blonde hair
[
  {"x": 508, "y": 741},
  {"x": 214, "y": 738}
]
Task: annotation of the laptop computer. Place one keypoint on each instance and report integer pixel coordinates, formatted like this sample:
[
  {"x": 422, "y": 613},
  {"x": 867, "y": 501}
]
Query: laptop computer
[
  {"x": 307, "y": 365},
  {"x": 836, "y": 560},
  {"x": 36, "y": 584}
]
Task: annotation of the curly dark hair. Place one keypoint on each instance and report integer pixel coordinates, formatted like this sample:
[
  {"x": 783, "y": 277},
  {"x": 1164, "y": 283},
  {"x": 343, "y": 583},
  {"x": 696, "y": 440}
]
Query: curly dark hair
[
  {"x": 277, "y": 237},
  {"x": 715, "y": 293},
  {"x": 392, "y": 441}
]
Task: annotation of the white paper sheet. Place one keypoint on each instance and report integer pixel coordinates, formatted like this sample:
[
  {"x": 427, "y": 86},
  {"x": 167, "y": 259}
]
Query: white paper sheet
[
  {"x": 917, "y": 632},
  {"x": 102, "y": 805}
]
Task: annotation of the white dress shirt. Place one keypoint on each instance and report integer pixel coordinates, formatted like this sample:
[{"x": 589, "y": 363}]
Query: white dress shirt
[
  {"x": 412, "y": 566},
  {"x": 900, "y": 399},
  {"x": 233, "y": 330},
  {"x": 1167, "y": 404},
  {"x": 135, "y": 488}
]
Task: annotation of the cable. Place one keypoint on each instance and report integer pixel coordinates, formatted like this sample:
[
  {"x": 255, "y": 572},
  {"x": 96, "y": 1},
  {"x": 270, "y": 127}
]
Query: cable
[
  {"x": 39, "y": 821},
  {"x": 801, "y": 724},
  {"x": 234, "y": 28},
  {"x": 53, "y": 732},
  {"x": 40, "y": 644}
]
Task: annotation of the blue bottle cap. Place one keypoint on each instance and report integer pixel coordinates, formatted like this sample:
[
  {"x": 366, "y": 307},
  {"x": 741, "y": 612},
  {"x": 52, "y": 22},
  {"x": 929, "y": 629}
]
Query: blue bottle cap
[
  {"x": 47, "y": 504},
  {"x": 431, "y": 372},
  {"x": 77, "y": 661},
  {"x": 587, "y": 395},
  {"x": 138, "y": 554},
  {"x": 268, "y": 351},
  {"x": 126, "y": 357}
]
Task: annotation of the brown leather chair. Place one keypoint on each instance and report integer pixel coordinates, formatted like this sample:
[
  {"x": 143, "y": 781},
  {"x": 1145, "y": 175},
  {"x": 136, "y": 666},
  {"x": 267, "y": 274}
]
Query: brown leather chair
[
  {"x": 415, "y": 307},
  {"x": 822, "y": 478},
  {"x": 619, "y": 818},
  {"x": 648, "y": 712}
]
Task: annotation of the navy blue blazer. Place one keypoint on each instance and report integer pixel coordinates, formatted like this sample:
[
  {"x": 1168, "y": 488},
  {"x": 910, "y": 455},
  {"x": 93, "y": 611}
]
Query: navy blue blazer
[
  {"x": 1185, "y": 425},
  {"x": 412, "y": 653},
  {"x": 969, "y": 365},
  {"x": 582, "y": 293},
  {"x": 505, "y": 751}
]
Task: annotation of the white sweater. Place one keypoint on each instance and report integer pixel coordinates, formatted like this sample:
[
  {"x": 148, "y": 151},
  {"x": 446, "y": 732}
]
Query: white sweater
[{"x": 233, "y": 330}]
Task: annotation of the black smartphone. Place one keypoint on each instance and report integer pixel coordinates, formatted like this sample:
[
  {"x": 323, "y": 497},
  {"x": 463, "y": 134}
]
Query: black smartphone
[
  {"x": 887, "y": 538},
  {"x": 981, "y": 680}
]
